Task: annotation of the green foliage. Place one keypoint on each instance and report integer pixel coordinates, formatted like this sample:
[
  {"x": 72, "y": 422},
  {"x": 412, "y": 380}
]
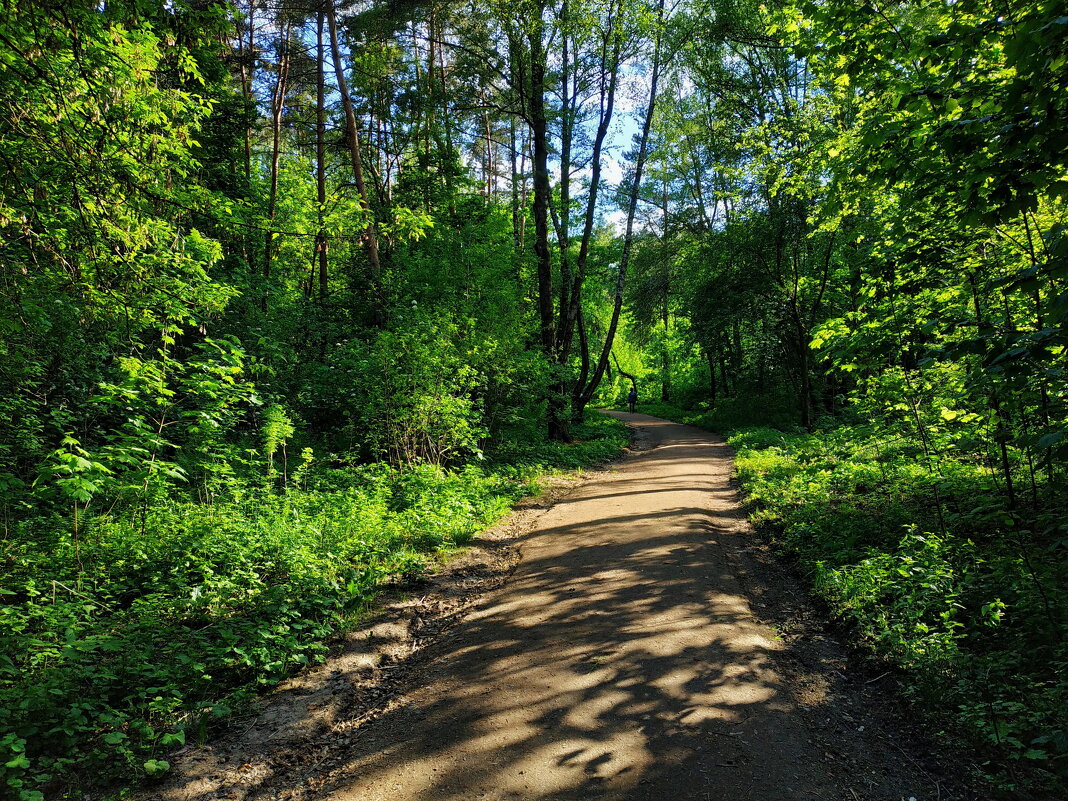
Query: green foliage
[
  {"x": 151, "y": 624},
  {"x": 277, "y": 430},
  {"x": 963, "y": 601},
  {"x": 421, "y": 406},
  {"x": 92, "y": 144},
  {"x": 70, "y": 468},
  {"x": 904, "y": 601},
  {"x": 977, "y": 112},
  {"x": 596, "y": 440}
]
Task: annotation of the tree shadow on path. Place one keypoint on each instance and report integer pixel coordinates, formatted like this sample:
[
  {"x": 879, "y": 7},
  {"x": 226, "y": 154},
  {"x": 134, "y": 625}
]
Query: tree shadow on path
[{"x": 621, "y": 661}]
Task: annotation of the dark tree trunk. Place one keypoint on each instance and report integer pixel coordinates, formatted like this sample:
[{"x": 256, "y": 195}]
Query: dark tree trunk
[
  {"x": 632, "y": 206},
  {"x": 539, "y": 130},
  {"x": 321, "y": 244},
  {"x": 278, "y": 101},
  {"x": 370, "y": 233},
  {"x": 609, "y": 81},
  {"x": 712, "y": 394}
]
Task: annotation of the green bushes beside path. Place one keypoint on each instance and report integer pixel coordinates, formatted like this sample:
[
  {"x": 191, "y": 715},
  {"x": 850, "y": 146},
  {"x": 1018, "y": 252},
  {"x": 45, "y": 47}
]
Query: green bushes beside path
[
  {"x": 965, "y": 601},
  {"x": 968, "y": 604},
  {"x": 133, "y": 633}
]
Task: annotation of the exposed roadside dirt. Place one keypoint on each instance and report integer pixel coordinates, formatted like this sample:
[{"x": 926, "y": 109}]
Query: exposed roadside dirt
[{"x": 645, "y": 646}]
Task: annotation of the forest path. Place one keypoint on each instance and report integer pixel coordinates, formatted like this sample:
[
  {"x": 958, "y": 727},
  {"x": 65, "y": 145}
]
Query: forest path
[{"x": 623, "y": 660}]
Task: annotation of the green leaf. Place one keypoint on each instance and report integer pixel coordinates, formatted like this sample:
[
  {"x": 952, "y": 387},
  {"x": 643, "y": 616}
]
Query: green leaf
[
  {"x": 156, "y": 767},
  {"x": 1049, "y": 440},
  {"x": 175, "y": 738}
]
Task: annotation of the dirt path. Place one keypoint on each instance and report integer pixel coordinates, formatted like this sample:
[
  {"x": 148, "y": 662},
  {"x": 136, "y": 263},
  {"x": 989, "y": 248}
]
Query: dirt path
[{"x": 622, "y": 660}]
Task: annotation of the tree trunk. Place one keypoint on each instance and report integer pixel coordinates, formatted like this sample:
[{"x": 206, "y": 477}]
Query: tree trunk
[
  {"x": 516, "y": 208},
  {"x": 632, "y": 206},
  {"x": 248, "y": 69},
  {"x": 665, "y": 361},
  {"x": 370, "y": 233},
  {"x": 711, "y": 376},
  {"x": 610, "y": 65},
  {"x": 321, "y": 244},
  {"x": 564, "y": 231},
  {"x": 805, "y": 371},
  {"x": 542, "y": 191},
  {"x": 278, "y": 101},
  {"x": 446, "y": 121}
]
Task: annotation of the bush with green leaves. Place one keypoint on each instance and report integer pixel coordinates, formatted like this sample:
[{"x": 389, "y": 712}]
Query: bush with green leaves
[
  {"x": 960, "y": 596},
  {"x": 133, "y": 633}
]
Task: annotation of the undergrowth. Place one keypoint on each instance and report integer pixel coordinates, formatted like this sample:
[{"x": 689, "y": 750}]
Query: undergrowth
[
  {"x": 965, "y": 600},
  {"x": 134, "y": 632},
  {"x": 728, "y": 414}
]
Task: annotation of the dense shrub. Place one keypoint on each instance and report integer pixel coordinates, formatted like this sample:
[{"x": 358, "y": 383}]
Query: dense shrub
[
  {"x": 965, "y": 600},
  {"x": 132, "y": 633}
]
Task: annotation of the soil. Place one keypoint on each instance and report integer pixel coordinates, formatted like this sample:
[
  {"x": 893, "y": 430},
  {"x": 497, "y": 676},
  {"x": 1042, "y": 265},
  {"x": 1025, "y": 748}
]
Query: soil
[{"x": 624, "y": 636}]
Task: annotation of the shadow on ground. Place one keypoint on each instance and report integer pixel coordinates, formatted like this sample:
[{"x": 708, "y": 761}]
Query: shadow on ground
[{"x": 621, "y": 661}]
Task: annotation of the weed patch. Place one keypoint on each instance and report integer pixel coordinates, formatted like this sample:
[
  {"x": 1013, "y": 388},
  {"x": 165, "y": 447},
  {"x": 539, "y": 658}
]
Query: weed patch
[
  {"x": 968, "y": 605},
  {"x": 139, "y": 631}
]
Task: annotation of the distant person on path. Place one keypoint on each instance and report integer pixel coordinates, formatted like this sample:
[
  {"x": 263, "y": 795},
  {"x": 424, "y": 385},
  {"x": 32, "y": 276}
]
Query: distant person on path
[{"x": 632, "y": 397}]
